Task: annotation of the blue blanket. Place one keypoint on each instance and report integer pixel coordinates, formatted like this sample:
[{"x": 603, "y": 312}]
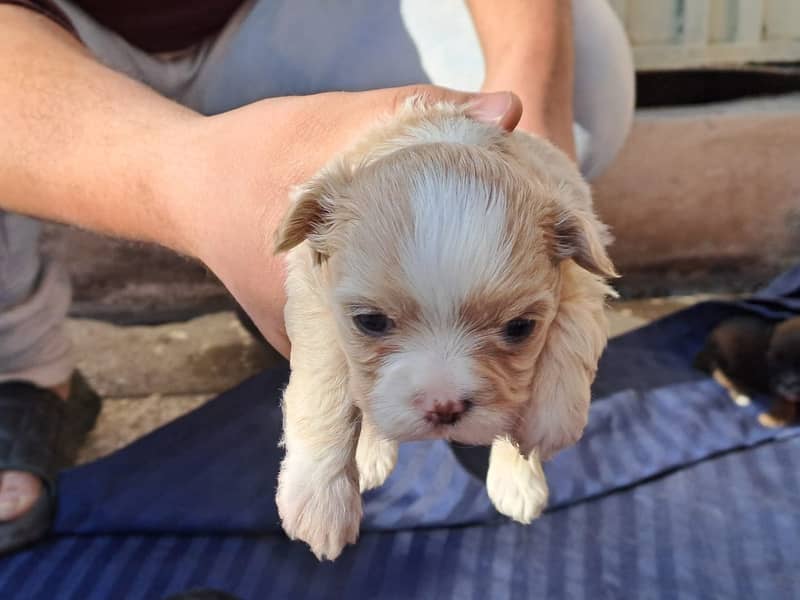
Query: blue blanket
[{"x": 673, "y": 492}]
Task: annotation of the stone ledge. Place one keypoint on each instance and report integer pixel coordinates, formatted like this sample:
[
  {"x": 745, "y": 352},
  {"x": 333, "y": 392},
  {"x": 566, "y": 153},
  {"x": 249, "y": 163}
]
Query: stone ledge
[
  {"x": 206, "y": 355},
  {"x": 706, "y": 198},
  {"x": 132, "y": 283}
]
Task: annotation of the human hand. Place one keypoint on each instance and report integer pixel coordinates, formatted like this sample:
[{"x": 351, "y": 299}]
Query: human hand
[{"x": 232, "y": 186}]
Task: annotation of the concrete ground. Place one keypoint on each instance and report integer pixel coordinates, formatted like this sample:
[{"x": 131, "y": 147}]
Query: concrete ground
[{"x": 149, "y": 375}]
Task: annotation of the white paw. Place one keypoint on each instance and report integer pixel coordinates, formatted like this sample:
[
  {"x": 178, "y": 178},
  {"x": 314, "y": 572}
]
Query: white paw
[
  {"x": 326, "y": 517},
  {"x": 375, "y": 460},
  {"x": 518, "y": 489}
]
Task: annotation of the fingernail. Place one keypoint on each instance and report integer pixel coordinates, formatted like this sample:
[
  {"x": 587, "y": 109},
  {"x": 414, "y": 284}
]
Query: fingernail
[
  {"x": 9, "y": 508},
  {"x": 490, "y": 108}
]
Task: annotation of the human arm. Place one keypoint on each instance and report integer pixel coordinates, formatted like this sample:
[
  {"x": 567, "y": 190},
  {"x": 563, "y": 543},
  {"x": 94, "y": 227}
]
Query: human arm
[
  {"x": 84, "y": 145},
  {"x": 528, "y": 48}
]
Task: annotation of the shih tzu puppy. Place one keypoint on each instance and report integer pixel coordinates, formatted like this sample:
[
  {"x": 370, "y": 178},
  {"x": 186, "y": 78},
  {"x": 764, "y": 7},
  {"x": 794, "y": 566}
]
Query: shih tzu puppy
[
  {"x": 750, "y": 355},
  {"x": 445, "y": 279}
]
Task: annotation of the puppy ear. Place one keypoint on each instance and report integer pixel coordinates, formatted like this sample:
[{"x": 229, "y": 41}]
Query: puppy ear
[
  {"x": 558, "y": 409},
  {"x": 309, "y": 210},
  {"x": 311, "y": 214},
  {"x": 579, "y": 235}
]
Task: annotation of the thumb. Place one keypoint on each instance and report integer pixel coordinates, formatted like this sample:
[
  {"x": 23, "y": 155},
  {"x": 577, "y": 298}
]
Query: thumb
[{"x": 500, "y": 108}]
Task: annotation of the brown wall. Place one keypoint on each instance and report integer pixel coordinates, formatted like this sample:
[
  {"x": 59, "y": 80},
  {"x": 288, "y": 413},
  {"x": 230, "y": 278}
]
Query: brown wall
[{"x": 704, "y": 202}]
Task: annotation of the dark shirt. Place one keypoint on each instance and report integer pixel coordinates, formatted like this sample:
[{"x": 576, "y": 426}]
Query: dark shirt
[{"x": 152, "y": 25}]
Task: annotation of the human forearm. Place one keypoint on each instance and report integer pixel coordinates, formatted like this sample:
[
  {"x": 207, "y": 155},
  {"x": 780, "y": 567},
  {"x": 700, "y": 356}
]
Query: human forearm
[
  {"x": 81, "y": 143},
  {"x": 528, "y": 48}
]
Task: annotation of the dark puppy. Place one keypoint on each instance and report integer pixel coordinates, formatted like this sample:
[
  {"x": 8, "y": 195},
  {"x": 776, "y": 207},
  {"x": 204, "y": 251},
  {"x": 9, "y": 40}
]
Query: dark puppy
[
  {"x": 783, "y": 360},
  {"x": 751, "y": 355}
]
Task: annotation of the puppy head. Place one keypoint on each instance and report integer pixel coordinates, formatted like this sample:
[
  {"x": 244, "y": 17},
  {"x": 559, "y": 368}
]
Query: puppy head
[
  {"x": 442, "y": 264},
  {"x": 783, "y": 359}
]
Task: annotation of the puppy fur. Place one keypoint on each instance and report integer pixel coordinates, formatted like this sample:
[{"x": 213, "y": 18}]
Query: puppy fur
[{"x": 449, "y": 229}]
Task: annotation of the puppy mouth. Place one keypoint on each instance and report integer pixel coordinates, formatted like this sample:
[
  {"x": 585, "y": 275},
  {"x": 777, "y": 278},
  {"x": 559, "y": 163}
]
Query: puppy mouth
[
  {"x": 449, "y": 433},
  {"x": 445, "y": 432},
  {"x": 469, "y": 433},
  {"x": 479, "y": 425}
]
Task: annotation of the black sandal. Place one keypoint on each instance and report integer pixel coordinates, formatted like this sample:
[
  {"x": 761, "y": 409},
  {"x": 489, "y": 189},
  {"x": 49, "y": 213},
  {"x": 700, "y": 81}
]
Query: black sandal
[{"x": 41, "y": 434}]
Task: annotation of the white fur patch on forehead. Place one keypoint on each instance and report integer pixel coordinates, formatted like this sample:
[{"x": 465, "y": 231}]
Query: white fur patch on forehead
[
  {"x": 454, "y": 130},
  {"x": 459, "y": 239},
  {"x": 418, "y": 123}
]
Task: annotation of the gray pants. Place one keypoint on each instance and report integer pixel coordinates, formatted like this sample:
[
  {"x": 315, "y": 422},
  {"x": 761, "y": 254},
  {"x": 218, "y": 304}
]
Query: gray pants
[{"x": 289, "y": 47}]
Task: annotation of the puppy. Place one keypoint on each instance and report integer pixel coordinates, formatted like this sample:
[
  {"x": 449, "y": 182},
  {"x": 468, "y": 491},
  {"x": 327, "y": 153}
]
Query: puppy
[
  {"x": 445, "y": 280},
  {"x": 751, "y": 355}
]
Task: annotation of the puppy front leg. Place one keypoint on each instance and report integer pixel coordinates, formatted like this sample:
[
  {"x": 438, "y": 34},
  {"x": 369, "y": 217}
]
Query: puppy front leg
[
  {"x": 739, "y": 398},
  {"x": 318, "y": 497},
  {"x": 375, "y": 456},
  {"x": 517, "y": 486}
]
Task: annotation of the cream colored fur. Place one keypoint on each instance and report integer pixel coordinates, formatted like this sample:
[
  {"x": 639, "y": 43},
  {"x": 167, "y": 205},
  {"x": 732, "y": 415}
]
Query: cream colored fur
[
  {"x": 318, "y": 497},
  {"x": 375, "y": 456},
  {"x": 400, "y": 221}
]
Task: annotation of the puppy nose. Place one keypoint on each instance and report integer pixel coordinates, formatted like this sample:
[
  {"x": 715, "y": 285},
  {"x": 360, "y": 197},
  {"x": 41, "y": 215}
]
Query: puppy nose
[{"x": 448, "y": 413}]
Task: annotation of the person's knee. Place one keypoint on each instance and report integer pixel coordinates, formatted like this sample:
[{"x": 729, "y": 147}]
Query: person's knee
[
  {"x": 604, "y": 85},
  {"x": 34, "y": 346}
]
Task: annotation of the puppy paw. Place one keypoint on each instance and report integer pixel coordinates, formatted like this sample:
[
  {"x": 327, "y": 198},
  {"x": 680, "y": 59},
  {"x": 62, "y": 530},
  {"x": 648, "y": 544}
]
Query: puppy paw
[
  {"x": 375, "y": 460},
  {"x": 517, "y": 487},
  {"x": 327, "y": 517},
  {"x": 741, "y": 399}
]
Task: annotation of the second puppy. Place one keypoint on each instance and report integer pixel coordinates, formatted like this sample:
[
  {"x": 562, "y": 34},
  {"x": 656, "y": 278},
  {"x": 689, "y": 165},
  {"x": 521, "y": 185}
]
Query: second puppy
[
  {"x": 750, "y": 355},
  {"x": 446, "y": 279}
]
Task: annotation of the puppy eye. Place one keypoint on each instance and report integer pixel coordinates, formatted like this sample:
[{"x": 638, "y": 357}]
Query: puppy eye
[
  {"x": 518, "y": 330},
  {"x": 374, "y": 324}
]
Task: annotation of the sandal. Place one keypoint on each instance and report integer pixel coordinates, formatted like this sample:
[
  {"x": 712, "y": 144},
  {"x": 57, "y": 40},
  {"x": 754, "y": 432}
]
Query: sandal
[{"x": 41, "y": 434}]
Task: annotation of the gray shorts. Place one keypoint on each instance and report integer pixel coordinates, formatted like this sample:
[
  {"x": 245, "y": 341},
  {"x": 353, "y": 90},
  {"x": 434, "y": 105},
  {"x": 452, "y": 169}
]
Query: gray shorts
[{"x": 290, "y": 47}]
